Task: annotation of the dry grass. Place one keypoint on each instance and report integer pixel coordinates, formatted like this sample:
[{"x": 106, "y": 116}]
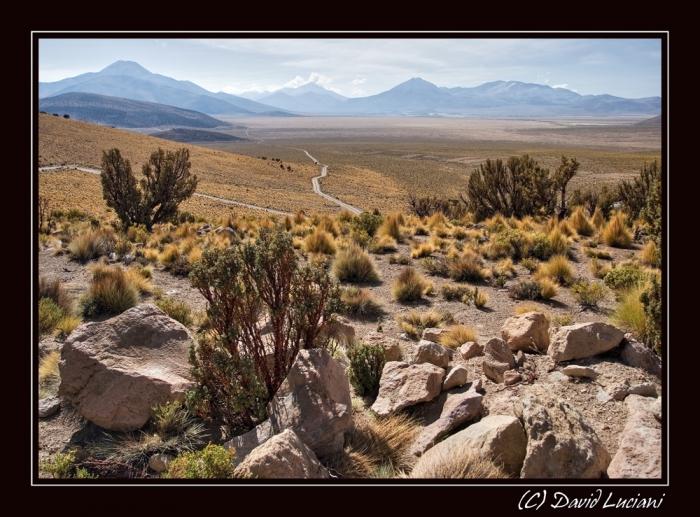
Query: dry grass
[
  {"x": 354, "y": 265},
  {"x": 320, "y": 242},
  {"x": 615, "y": 233},
  {"x": 423, "y": 250},
  {"x": 548, "y": 288},
  {"x": 110, "y": 292},
  {"x": 49, "y": 375},
  {"x": 392, "y": 227},
  {"x": 558, "y": 269},
  {"x": 92, "y": 244},
  {"x": 55, "y": 291},
  {"x": 377, "y": 447},
  {"x": 415, "y": 322},
  {"x": 468, "y": 267},
  {"x": 581, "y": 224},
  {"x": 360, "y": 302},
  {"x": 461, "y": 462},
  {"x": 650, "y": 256},
  {"x": 410, "y": 285},
  {"x": 457, "y": 336},
  {"x": 628, "y": 314}
]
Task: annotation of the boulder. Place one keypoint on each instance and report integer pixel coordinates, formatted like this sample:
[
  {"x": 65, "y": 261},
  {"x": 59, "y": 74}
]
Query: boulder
[
  {"x": 639, "y": 453},
  {"x": 433, "y": 334},
  {"x": 471, "y": 349},
  {"x": 646, "y": 389},
  {"x": 561, "y": 444},
  {"x": 582, "y": 340},
  {"x": 499, "y": 359},
  {"x": 339, "y": 329},
  {"x": 246, "y": 443},
  {"x": 639, "y": 356},
  {"x": 656, "y": 408},
  {"x": 403, "y": 385},
  {"x": 283, "y": 456},
  {"x": 458, "y": 409},
  {"x": 314, "y": 402},
  {"x": 392, "y": 350},
  {"x": 528, "y": 332},
  {"x": 500, "y": 438},
  {"x": 618, "y": 390},
  {"x": 429, "y": 352},
  {"x": 49, "y": 406},
  {"x": 574, "y": 370},
  {"x": 116, "y": 370},
  {"x": 455, "y": 376}
]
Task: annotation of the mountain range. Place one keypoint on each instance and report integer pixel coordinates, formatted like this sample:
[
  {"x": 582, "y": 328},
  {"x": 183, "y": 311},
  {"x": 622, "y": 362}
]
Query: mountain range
[{"x": 415, "y": 97}]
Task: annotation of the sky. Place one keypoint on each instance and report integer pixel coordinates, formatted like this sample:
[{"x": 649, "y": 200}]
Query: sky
[{"x": 362, "y": 66}]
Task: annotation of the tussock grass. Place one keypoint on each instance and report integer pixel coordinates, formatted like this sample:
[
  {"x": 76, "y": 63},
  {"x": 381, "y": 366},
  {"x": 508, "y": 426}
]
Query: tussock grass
[
  {"x": 49, "y": 315},
  {"x": 650, "y": 256},
  {"x": 320, "y": 241},
  {"x": 178, "y": 310},
  {"x": 530, "y": 264},
  {"x": 383, "y": 244},
  {"x": 377, "y": 447},
  {"x": 598, "y": 218},
  {"x": 558, "y": 243},
  {"x": 360, "y": 302},
  {"x": 92, "y": 244},
  {"x": 354, "y": 265},
  {"x": 399, "y": 259},
  {"x": 580, "y": 223},
  {"x": 628, "y": 314},
  {"x": 615, "y": 233},
  {"x": 169, "y": 255},
  {"x": 410, "y": 285},
  {"x": 415, "y": 322},
  {"x": 55, "y": 291},
  {"x": 49, "y": 374},
  {"x": 558, "y": 269},
  {"x": 504, "y": 267},
  {"x": 468, "y": 267},
  {"x": 598, "y": 269},
  {"x": 548, "y": 288},
  {"x": 480, "y": 299},
  {"x": 68, "y": 324},
  {"x": 111, "y": 292},
  {"x": 462, "y": 462},
  {"x": 425, "y": 249},
  {"x": 140, "y": 280},
  {"x": 524, "y": 308},
  {"x": 457, "y": 336},
  {"x": 456, "y": 292},
  {"x": 392, "y": 226}
]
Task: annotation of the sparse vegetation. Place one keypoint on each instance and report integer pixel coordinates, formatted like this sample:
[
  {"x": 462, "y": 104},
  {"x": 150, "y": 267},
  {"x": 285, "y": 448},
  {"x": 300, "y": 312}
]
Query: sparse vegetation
[
  {"x": 410, "y": 285},
  {"x": 354, "y": 265},
  {"x": 458, "y": 463},
  {"x": 212, "y": 462},
  {"x": 110, "y": 292},
  {"x": 360, "y": 302},
  {"x": 415, "y": 322},
  {"x": 178, "y": 310},
  {"x": 457, "y": 336},
  {"x": 586, "y": 293}
]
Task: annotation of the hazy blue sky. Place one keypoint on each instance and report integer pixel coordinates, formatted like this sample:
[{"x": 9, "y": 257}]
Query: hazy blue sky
[{"x": 358, "y": 67}]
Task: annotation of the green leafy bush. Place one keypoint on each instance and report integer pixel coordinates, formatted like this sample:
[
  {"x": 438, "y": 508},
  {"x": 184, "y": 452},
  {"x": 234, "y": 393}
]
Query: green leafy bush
[
  {"x": 212, "y": 462},
  {"x": 49, "y": 315},
  {"x": 587, "y": 293},
  {"x": 366, "y": 365},
  {"x": 623, "y": 277},
  {"x": 178, "y": 310},
  {"x": 367, "y": 222},
  {"x": 651, "y": 300}
]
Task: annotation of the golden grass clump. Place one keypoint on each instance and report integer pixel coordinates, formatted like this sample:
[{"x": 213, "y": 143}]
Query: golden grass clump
[
  {"x": 467, "y": 267},
  {"x": 92, "y": 244},
  {"x": 110, "y": 292},
  {"x": 598, "y": 218},
  {"x": 425, "y": 249},
  {"x": 504, "y": 267},
  {"x": 320, "y": 241},
  {"x": 377, "y": 447},
  {"x": 384, "y": 244},
  {"x": 49, "y": 374},
  {"x": 628, "y": 315},
  {"x": 360, "y": 302},
  {"x": 558, "y": 242},
  {"x": 414, "y": 322},
  {"x": 55, "y": 291},
  {"x": 523, "y": 308},
  {"x": 169, "y": 255},
  {"x": 410, "y": 285},
  {"x": 392, "y": 226},
  {"x": 558, "y": 269},
  {"x": 480, "y": 298},
  {"x": 139, "y": 281},
  {"x": 580, "y": 223},
  {"x": 599, "y": 269},
  {"x": 457, "y": 336},
  {"x": 68, "y": 324},
  {"x": 354, "y": 265},
  {"x": 650, "y": 255},
  {"x": 566, "y": 229},
  {"x": 459, "y": 462},
  {"x": 437, "y": 219},
  {"x": 615, "y": 233},
  {"x": 548, "y": 288}
]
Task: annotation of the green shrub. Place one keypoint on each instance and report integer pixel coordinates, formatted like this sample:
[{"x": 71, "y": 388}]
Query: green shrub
[
  {"x": 529, "y": 264},
  {"x": 623, "y": 277},
  {"x": 628, "y": 314},
  {"x": 61, "y": 466},
  {"x": 587, "y": 293},
  {"x": 178, "y": 310},
  {"x": 366, "y": 365},
  {"x": 354, "y": 265},
  {"x": 49, "y": 315},
  {"x": 212, "y": 462},
  {"x": 367, "y": 222},
  {"x": 651, "y": 299}
]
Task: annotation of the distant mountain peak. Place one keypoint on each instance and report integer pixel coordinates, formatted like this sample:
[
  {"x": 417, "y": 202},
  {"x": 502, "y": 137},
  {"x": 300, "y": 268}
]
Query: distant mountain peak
[{"x": 125, "y": 68}]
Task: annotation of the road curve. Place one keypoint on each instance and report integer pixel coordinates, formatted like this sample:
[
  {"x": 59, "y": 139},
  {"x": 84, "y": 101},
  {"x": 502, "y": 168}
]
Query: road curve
[
  {"x": 314, "y": 181},
  {"x": 221, "y": 199}
]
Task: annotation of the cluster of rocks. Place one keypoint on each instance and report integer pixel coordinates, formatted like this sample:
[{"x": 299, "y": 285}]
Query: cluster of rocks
[
  {"x": 204, "y": 230},
  {"x": 114, "y": 372}
]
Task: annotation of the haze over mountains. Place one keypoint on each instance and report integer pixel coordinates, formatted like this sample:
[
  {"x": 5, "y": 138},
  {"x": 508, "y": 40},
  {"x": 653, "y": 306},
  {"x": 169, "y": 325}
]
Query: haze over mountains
[{"x": 415, "y": 97}]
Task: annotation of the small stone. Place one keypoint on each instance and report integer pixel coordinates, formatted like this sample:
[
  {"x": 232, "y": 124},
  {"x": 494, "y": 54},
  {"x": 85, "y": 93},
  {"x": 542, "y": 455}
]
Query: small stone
[
  {"x": 603, "y": 397},
  {"x": 511, "y": 377},
  {"x": 646, "y": 389},
  {"x": 471, "y": 349},
  {"x": 160, "y": 462},
  {"x": 574, "y": 370},
  {"x": 619, "y": 390},
  {"x": 476, "y": 385},
  {"x": 456, "y": 376},
  {"x": 49, "y": 406},
  {"x": 433, "y": 334}
]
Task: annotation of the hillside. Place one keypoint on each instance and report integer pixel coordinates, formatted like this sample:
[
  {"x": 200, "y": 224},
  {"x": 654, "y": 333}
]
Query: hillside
[
  {"x": 125, "y": 113},
  {"x": 196, "y": 135}
]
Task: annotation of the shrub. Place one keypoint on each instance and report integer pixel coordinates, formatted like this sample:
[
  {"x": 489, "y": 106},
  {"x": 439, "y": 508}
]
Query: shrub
[
  {"x": 541, "y": 246},
  {"x": 354, "y": 265},
  {"x": 320, "y": 242},
  {"x": 558, "y": 268},
  {"x": 49, "y": 315},
  {"x": 622, "y": 278},
  {"x": 54, "y": 290},
  {"x": 399, "y": 259},
  {"x": 110, "y": 292},
  {"x": 529, "y": 264},
  {"x": 367, "y": 222},
  {"x": 360, "y": 302},
  {"x": 262, "y": 278},
  {"x": 510, "y": 243},
  {"x": 615, "y": 233},
  {"x": 651, "y": 299},
  {"x": 587, "y": 293},
  {"x": 634, "y": 194},
  {"x": 366, "y": 365},
  {"x": 409, "y": 285},
  {"x": 92, "y": 244},
  {"x": 178, "y": 310},
  {"x": 212, "y": 462},
  {"x": 61, "y": 466},
  {"x": 457, "y": 336}
]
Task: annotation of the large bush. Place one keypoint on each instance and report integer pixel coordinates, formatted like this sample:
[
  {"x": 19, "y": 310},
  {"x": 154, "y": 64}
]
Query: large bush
[
  {"x": 366, "y": 366},
  {"x": 263, "y": 307},
  {"x": 167, "y": 182}
]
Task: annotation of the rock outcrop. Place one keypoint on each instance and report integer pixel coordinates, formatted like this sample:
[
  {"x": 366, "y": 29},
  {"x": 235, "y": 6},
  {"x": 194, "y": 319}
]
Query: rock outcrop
[
  {"x": 582, "y": 340},
  {"x": 528, "y": 332},
  {"x": 429, "y": 352},
  {"x": 115, "y": 371},
  {"x": 404, "y": 385},
  {"x": 499, "y": 359}
]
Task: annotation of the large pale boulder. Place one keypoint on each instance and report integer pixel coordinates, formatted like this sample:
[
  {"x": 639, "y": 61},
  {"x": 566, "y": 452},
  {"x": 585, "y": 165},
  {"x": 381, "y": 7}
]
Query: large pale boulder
[
  {"x": 429, "y": 352},
  {"x": 283, "y": 456},
  {"x": 115, "y": 371},
  {"x": 561, "y": 444},
  {"x": 458, "y": 409},
  {"x": 500, "y": 438},
  {"x": 403, "y": 385},
  {"x": 639, "y": 356},
  {"x": 471, "y": 349},
  {"x": 582, "y": 340},
  {"x": 246, "y": 443},
  {"x": 639, "y": 453},
  {"x": 314, "y": 402},
  {"x": 528, "y": 332},
  {"x": 392, "y": 350},
  {"x": 339, "y": 329},
  {"x": 499, "y": 359}
]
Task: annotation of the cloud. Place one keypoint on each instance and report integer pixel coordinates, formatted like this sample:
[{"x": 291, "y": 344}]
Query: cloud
[
  {"x": 359, "y": 81},
  {"x": 357, "y": 92},
  {"x": 319, "y": 79},
  {"x": 560, "y": 85}
]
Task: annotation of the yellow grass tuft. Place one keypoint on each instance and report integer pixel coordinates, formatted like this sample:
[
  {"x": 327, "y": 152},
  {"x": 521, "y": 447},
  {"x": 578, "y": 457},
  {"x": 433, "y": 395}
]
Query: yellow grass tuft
[
  {"x": 457, "y": 336},
  {"x": 615, "y": 233}
]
